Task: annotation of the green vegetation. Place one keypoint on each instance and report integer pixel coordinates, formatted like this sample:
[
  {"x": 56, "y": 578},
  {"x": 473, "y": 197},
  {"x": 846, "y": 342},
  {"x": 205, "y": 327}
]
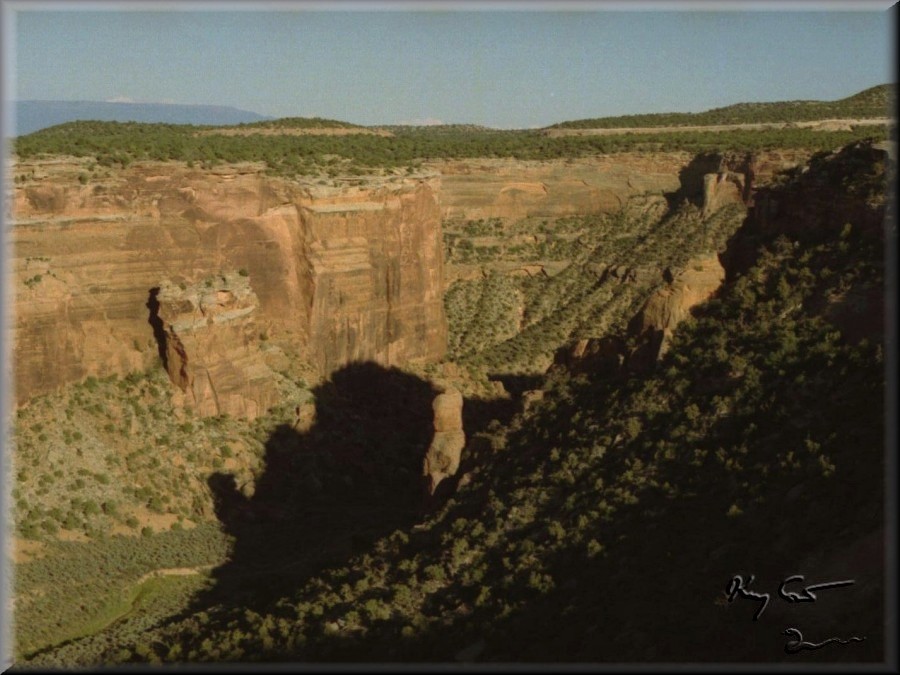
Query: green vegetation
[
  {"x": 871, "y": 103},
  {"x": 299, "y": 123},
  {"x": 115, "y": 143},
  {"x": 610, "y": 263},
  {"x": 481, "y": 313},
  {"x": 619, "y": 506},
  {"x": 77, "y": 589},
  {"x": 755, "y": 444},
  {"x": 89, "y": 476}
]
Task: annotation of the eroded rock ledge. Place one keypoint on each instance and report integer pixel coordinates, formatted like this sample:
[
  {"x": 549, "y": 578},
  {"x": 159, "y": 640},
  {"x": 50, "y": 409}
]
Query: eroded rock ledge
[{"x": 210, "y": 339}]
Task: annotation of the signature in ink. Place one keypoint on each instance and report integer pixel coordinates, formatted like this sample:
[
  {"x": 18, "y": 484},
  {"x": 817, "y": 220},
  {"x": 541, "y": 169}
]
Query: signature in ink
[
  {"x": 797, "y": 644},
  {"x": 737, "y": 586},
  {"x": 808, "y": 595}
]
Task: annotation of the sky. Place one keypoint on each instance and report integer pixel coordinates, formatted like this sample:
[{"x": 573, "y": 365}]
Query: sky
[{"x": 500, "y": 64}]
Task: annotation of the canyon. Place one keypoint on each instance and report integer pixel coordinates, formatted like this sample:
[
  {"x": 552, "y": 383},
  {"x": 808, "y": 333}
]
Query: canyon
[
  {"x": 514, "y": 189},
  {"x": 345, "y": 271},
  {"x": 410, "y": 395},
  {"x": 165, "y": 310},
  {"x": 339, "y": 274}
]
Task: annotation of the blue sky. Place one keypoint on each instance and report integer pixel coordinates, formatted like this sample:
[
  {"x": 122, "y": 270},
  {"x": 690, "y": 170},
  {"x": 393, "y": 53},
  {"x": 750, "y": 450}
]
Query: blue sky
[{"x": 506, "y": 65}]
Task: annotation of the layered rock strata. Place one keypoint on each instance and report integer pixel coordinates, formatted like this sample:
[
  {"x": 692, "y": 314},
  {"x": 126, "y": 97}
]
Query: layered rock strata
[
  {"x": 211, "y": 346},
  {"x": 341, "y": 273},
  {"x": 512, "y": 189}
]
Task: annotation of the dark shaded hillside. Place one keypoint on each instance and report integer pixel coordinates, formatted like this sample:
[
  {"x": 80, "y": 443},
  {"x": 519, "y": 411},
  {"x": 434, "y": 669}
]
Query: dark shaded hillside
[
  {"x": 352, "y": 478},
  {"x": 604, "y": 524}
]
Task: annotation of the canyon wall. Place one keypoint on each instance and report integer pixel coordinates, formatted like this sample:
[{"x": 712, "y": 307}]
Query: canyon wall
[
  {"x": 507, "y": 188},
  {"x": 338, "y": 273},
  {"x": 345, "y": 271},
  {"x": 211, "y": 347},
  {"x": 474, "y": 189}
]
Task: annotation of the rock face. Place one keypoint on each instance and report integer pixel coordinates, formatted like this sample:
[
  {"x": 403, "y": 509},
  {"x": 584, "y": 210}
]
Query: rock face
[
  {"x": 721, "y": 189},
  {"x": 210, "y": 340},
  {"x": 671, "y": 304},
  {"x": 340, "y": 273},
  {"x": 501, "y": 188},
  {"x": 652, "y": 326},
  {"x": 512, "y": 189},
  {"x": 442, "y": 458},
  {"x": 376, "y": 272}
]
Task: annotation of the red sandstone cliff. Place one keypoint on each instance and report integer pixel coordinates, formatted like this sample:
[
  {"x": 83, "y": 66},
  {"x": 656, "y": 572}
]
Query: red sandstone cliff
[
  {"x": 340, "y": 273},
  {"x": 473, "y": 189}
]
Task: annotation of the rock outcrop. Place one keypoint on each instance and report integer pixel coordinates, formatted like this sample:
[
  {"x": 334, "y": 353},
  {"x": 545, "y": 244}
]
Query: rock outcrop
[
  {"x": 721, "y": 189},
  {"x": 305, "y": 414},
  {"x": 211, "y": 344},
  {"x": 341, "y": 272},
  {"x": 512, "y": 189},
  {"x": 344, "y": 272},
  {"x": 671, "y": 304},
  {"x": 443, "y": 456},
  {"x": 651, "y": 328}
]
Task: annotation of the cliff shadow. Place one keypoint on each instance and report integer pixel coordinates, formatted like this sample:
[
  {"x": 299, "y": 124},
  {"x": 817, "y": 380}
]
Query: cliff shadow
[
  {"x": 159, "y": 333},
  {"x": 690, "y": 180},
  {"x": 517, "y": 385},
  {"x": 327, "y": 493},
  {"x": 798, "y": 196}
]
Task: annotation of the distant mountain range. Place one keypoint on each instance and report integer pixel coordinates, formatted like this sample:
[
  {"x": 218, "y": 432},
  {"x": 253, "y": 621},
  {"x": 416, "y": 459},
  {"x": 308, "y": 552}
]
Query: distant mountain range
[{"x": 35, "y": 115}]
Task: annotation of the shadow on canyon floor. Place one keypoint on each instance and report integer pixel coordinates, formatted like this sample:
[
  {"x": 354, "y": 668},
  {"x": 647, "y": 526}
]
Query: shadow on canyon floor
[
  {"x": 331, "y": 492},
  {"x": 325, "y": 494}
]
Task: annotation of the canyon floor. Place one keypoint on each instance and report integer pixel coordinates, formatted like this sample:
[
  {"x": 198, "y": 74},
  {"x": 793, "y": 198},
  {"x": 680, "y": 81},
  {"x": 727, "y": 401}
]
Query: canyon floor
[{"x": 466, "y": 408}]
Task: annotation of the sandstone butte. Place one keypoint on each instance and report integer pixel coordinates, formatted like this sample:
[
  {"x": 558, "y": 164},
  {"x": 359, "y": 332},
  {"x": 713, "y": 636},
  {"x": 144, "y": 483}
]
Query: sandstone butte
[{"x": 220, "y": 273}]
